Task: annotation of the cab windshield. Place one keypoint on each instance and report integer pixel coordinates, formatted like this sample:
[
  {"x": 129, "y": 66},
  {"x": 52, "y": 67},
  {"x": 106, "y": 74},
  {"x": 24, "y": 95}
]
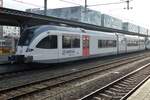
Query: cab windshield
[{"x": 27, "y": 36}]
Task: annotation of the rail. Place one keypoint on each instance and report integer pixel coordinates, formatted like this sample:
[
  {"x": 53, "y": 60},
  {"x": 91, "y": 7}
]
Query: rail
[
  {"x": 100, "y": 93},
  {"x": 55, "y": 81}
]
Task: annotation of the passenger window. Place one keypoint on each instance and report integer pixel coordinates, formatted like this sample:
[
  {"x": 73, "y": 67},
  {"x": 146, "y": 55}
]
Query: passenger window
[
  {"x": 66, "y": 42},
  {"x": 76, "y": 42},
  {"x": 99, "y": 43},
  {"x": 107, "y": 43},
  {"x": 133, "y": 43},
  {"x": 71, "y": 41},
  {"x": 53, "y": 41},
  {"x": 49, "y": 42}
]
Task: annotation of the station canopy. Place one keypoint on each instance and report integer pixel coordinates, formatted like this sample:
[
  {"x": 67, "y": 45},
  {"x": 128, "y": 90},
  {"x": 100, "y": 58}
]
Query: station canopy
[{"x": 23, "y": 19}]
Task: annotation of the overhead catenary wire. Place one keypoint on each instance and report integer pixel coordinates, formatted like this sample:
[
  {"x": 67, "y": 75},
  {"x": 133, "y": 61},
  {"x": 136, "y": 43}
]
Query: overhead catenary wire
[
  {"x": 70, "y": 2},
  {"x": 86, "y": 6},
  {"x": 20, "y": 1},
  {"x": 107, "y": 3},
  {"x": 104, "y": 4},
  {"x": 27, "y": 3},
  {"x": 128, "y": 4},
  {"x": 111, "y": 3}
]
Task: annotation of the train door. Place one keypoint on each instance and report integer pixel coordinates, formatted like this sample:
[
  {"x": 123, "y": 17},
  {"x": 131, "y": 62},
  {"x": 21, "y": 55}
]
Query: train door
[
  {"x": 121, "y": 44},
  {"x": 125, "y": 39},
  {"x": 85, "y": 39}
]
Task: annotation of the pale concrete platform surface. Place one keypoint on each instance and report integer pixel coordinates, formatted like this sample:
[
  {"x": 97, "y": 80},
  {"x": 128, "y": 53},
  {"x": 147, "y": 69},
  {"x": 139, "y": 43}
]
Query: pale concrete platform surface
[{"x": 143, "y": 93}]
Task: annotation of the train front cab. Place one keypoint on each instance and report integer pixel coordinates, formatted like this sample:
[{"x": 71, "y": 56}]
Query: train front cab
[
  {"x": 54, "y": 47},
  {"x": 23, "y": 47}
]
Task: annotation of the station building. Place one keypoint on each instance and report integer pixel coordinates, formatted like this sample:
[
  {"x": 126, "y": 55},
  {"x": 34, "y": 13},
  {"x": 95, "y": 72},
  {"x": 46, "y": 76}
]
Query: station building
[
  {"x": 9, "y": 36},
  {"x": 8, "y": 31}
]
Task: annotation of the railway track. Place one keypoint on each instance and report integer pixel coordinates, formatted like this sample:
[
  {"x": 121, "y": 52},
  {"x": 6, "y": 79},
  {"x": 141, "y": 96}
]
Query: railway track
[
  {"x": 28, "y": 70},
  {"x": 19, "y": 69},
  {"x": 123, "y": 87},
  {"x": 19, "y": 90}
]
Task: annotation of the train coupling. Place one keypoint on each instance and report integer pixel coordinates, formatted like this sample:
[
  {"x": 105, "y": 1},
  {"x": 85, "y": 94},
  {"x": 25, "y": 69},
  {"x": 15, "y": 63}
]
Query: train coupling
[{"x": 20, "y": 59}]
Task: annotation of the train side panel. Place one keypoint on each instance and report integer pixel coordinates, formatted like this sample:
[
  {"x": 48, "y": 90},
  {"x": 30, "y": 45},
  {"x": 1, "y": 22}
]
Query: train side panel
[
  {"x": 102, "y": 44},
  {"x": 45, "y": 47},
  {"x": 122, "y": 45},
  {"x": 52, "y": 44},
  {"x": 142, "y": 45},
  {"x": 70, "y": 46},
  {"x": 132, "y": 43}
]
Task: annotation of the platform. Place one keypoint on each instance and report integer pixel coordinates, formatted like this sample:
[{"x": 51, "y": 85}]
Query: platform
[
  {"x": 143, "y": 93},
  {"x": 3, "y": 59}
]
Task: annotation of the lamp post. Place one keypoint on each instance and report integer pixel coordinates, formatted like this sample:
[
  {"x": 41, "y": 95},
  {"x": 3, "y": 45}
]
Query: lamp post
[
  {"x": 85, "y": 6},
  {"x": 45, "y": 7}
]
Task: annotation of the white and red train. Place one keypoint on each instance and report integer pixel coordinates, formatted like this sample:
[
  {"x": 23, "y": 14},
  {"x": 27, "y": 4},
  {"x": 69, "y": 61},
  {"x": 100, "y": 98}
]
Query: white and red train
[{"x": 53, "y": 44}]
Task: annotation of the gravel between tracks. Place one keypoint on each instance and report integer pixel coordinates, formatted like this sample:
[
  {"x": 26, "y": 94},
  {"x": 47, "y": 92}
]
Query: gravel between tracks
[
  {"x": 75, "y": 89},
  {"x": 37, "y": 77}
]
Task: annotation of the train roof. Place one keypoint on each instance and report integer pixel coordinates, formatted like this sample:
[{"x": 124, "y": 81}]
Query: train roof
[
  {"x": 43, "y": 28},
  {"x": 99, "y": 33}
]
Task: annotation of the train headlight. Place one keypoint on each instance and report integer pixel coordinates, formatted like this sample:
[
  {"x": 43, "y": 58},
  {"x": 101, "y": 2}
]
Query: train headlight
[{"x": 29, "y": 50}]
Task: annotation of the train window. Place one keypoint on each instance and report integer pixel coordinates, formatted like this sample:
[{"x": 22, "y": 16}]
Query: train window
[
  {"x": 114, "y": 43},
  {"x": 49, "y": 42},
  {"x": 100, "y": 44},
  {"x": 133, "y": 43},
  {"x": 66, "y": 42},
  {"x": 106, "y": 43},
  {"x": 141, "y": 42},
  {"x": 76, "y": 42},
  {"x": 53, "y": 41},
  {"x": 26, "y": 36},
  {"x": 71, "y": 42}
]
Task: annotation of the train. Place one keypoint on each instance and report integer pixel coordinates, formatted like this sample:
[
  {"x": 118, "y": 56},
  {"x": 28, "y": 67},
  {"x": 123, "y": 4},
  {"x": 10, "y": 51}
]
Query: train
[{"x": 56, "y": 44}]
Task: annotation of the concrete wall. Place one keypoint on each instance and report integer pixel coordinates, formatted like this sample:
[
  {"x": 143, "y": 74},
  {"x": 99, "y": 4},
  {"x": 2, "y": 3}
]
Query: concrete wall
[
  {"x": 76, "y": 13},
  {"x": 111, "y": 22},
  {"x": 130, "y": 27},
  {"x": 142, "y": 30}
]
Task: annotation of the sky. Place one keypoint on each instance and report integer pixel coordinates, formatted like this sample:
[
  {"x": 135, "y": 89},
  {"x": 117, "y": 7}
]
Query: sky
[{"x": 139, "y": 15}]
